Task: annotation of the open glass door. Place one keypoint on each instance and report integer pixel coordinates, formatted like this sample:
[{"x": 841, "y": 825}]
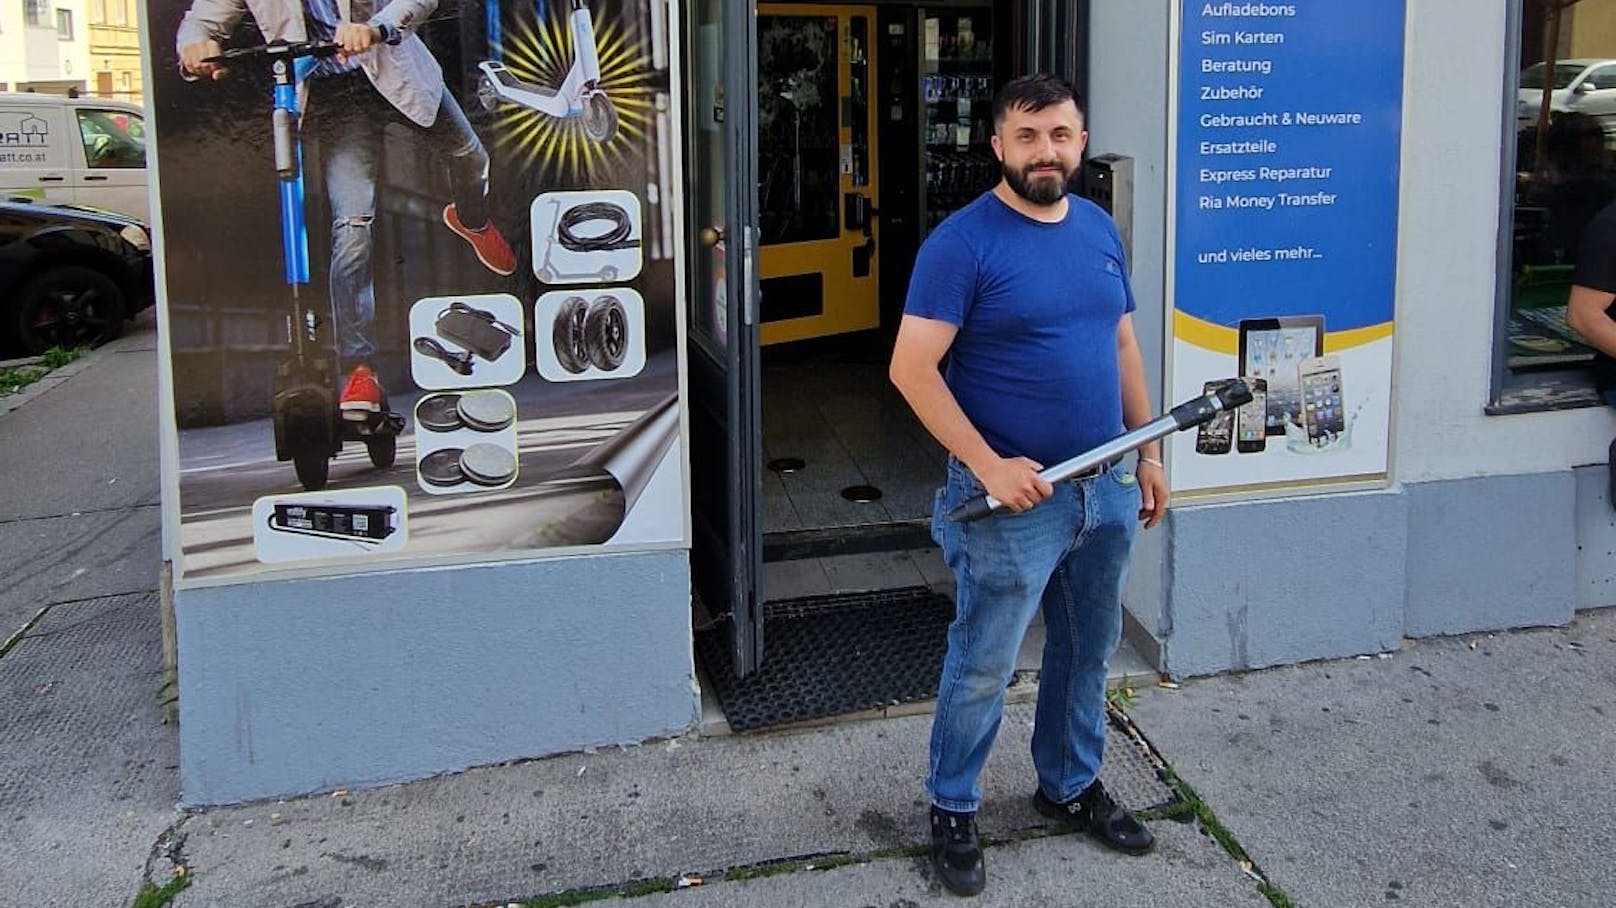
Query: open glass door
[{"x": 725, "y": 403}]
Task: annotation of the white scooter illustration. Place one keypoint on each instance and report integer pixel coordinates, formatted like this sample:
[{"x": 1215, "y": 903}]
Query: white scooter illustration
[{"x": 579, "y": 95}]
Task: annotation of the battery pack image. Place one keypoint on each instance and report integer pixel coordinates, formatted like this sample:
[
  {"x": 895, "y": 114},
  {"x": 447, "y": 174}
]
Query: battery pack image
[{"x": 362, "y": 523}]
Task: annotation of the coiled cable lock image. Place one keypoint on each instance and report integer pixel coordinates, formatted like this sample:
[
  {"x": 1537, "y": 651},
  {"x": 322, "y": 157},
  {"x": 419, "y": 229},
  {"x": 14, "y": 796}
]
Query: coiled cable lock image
[{"x": 619, "y": 235}]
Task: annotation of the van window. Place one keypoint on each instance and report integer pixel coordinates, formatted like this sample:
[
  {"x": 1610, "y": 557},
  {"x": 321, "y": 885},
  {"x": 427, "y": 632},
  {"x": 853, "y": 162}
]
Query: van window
[{"x": 112, "y": 138}]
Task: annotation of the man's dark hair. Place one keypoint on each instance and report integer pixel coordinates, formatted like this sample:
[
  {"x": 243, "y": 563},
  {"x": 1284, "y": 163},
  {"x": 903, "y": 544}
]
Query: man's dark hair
[{"x": 1034, "y": 93}]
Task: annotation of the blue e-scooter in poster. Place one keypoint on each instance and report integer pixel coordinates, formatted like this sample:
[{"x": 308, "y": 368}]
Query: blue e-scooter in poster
[
  {"x": 579, "y": 95},
  {"x": 309, "y": 427}
]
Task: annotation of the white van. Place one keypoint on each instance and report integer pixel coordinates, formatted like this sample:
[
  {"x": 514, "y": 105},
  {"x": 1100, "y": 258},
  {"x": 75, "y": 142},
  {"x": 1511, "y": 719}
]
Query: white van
[{"x": 85, "y": 151}]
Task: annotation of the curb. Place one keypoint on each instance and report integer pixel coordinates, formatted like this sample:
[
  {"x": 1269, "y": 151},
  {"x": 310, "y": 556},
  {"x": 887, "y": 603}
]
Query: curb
[{"x": 13, "y": 402}]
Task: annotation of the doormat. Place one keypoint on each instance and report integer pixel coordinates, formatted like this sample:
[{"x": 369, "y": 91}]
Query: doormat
[{"x": 831, "y": 655}]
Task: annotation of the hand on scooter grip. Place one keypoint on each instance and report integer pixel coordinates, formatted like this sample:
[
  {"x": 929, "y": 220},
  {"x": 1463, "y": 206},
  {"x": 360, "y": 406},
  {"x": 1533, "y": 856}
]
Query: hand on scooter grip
[
  {"x": 1014, "y": 481},
  {"x": 194, "y": 60},
  {"x": 355, "y": 38}
]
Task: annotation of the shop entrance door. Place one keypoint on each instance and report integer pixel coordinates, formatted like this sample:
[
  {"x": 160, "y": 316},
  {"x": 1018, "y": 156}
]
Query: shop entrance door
[
  {"x": 725, "y": 409},
  {"x": 817, "y": 186}
]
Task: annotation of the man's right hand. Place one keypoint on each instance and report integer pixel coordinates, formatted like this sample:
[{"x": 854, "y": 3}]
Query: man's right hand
[
  {"x": 192, "y": 55},
  {"x": 1014, "y": 482}
]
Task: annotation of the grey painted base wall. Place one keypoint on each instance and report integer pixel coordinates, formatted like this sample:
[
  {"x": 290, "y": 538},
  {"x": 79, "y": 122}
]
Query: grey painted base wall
[
  {"x": 302, "y": 686},
  {"x": 1250, "y": 585}
]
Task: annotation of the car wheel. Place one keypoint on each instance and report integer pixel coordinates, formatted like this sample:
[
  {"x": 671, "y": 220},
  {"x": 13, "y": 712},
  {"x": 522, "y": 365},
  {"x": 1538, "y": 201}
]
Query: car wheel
[{"x": 68, "y": 306}]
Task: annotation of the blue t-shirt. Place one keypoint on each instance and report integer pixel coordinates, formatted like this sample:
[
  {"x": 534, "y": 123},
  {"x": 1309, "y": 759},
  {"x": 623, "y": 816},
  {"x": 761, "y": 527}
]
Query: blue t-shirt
[{"x": 1034, "y": 365}]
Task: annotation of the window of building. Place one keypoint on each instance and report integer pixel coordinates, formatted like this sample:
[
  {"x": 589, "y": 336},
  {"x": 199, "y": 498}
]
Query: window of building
[
  {"x": 112, "y": 138},
  {"x": 1563, "y": 175},
  {"x": 119, "y": 11},
  {"x": 64, "y": 24},
  {"x": 35, "y": 12},
  {"x": 98, "y": 12}
]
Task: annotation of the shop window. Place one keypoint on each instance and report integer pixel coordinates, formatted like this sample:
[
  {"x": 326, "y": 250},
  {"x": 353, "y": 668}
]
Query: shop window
[
  {"x": 112, "y": 139},
  {"x": 1563, "y": 92}
]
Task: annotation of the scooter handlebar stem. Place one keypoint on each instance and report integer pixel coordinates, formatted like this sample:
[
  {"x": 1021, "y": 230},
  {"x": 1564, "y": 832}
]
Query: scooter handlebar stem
[{"x": 1186, "y": 415}]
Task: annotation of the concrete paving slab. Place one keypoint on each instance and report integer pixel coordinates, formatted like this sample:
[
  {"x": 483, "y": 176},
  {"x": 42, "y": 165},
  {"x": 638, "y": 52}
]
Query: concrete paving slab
[
  {"x": 88, "y": 782},
  {"x": 1467, "y": 772},
  {"x": 586, "y": 820},
  {"x": 62, "y": 559},
  {"x": 1187, "y": 870},
  {"x": 94, "y": 448}
]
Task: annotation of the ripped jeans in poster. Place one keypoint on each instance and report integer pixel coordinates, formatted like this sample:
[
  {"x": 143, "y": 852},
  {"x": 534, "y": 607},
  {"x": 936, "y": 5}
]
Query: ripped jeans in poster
[
  {"x": 1068, "y": 556},
  {"x": 347, "y": 116}
]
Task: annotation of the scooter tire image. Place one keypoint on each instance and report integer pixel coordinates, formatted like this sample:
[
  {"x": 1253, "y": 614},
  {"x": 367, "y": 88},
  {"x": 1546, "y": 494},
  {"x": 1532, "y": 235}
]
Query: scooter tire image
[
  {"x": 568, "y": 335},
  {"x": 600, "y": 118},
  {"x": 606, "y": 333}
]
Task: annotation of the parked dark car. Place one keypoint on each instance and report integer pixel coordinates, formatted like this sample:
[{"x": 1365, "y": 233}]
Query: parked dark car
[{"x": 69, "y": 276}]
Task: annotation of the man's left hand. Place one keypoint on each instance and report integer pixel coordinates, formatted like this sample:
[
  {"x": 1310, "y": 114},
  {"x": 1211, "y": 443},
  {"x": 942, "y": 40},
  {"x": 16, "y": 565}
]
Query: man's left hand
[
  {"x": 354, "y": 38},
  {"x": 1153, "y": 494}
]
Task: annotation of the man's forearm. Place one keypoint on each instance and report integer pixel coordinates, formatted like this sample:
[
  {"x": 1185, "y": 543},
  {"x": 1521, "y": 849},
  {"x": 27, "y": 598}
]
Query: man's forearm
[{"x": 940, "y": 413}]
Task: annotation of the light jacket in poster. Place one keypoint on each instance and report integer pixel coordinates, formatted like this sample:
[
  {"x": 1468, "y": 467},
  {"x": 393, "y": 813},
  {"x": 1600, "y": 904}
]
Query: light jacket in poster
[{"x": 405, "y": 74}]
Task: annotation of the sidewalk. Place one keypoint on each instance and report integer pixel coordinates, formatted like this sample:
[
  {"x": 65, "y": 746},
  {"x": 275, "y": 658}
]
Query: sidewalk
[{"x": 1444, "y": 774}]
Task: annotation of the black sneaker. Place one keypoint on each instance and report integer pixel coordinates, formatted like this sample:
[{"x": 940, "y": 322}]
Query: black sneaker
[
  {"x": 956, "y": 853},
  {"x": 1095, "y": 812}
]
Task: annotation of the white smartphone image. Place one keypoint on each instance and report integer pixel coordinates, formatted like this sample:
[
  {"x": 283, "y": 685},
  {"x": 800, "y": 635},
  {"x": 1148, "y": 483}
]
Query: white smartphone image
[{"x": 1324, "y": 416}]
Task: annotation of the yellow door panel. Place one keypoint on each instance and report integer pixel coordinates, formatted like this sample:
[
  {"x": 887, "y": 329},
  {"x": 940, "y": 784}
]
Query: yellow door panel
[{"x": 817, "y": 183}]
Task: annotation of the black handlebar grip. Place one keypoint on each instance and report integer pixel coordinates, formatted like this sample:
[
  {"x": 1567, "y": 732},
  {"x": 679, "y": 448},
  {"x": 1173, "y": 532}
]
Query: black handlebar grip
[
  {"x": 975, "y": 509},
  {"x": 1236, "y": 394}
]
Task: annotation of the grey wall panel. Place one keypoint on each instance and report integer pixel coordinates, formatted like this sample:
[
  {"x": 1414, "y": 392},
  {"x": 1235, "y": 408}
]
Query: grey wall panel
[{"x": 1596, "y": 539}]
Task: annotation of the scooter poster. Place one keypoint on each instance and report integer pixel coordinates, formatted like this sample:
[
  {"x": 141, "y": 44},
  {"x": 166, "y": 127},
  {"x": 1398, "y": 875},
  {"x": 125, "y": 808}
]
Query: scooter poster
[{"x": 420, "y": 273}]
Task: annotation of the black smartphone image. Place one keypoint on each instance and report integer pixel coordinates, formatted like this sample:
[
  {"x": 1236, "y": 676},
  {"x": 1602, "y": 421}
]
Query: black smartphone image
[
  {"x": 1273, "y": 349},
  {"x": 1251, "y": 419},
  {"x": 1216, "y": 435}
]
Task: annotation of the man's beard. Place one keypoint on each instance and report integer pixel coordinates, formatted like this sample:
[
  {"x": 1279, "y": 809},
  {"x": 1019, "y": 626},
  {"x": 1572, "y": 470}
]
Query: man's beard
[{"x": 1042, "y": 190}]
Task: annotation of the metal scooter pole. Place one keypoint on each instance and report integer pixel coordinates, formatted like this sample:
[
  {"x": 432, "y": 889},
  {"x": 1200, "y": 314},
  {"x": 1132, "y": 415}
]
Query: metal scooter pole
[{"x": 1186, "y": 415}]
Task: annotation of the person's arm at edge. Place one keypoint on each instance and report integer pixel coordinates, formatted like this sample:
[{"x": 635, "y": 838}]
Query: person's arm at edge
[
  {"x": 1136, "y": 411},
  {"x": 1585, "y": 313}
]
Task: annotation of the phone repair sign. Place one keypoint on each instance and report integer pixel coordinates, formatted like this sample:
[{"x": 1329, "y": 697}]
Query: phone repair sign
[{"x": 1288, "y": 132}]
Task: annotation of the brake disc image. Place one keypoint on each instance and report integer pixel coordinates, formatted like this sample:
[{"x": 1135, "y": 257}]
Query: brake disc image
[
  {"x": 488, "y": 465},
  {"x": 486, "y": 411},
  {"x": 442, "y": 468},
  {"x": 439, "y": 413}
]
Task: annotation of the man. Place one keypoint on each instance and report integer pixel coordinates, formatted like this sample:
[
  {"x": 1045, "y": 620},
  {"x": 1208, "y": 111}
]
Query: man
[
  {"x": 1591, "y": 308},
  {"x": 1026, "y": 292},
  {"x": 383, "y": 74}
]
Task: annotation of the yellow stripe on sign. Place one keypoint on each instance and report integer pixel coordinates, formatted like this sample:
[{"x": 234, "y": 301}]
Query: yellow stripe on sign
[{"x": 1223, "y": 339}]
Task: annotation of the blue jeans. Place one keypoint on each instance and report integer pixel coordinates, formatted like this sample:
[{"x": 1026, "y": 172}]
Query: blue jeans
[
  {"x": 347, "y": 115},
  {"x": 1069, "y": 555}
]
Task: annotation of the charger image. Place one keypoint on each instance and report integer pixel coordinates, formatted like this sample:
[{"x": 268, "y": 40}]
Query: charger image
[{"x": 355, "y": 523}]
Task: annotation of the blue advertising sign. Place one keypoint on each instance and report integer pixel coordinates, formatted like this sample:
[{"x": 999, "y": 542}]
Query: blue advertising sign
[{"x": 1288, "y": 129}]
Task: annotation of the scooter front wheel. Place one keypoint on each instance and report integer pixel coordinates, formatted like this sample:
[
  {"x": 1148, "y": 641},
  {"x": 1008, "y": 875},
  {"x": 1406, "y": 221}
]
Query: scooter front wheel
[
  {"x": 486, "y": 95},
  {"x": 313, "y": 468},
  {"x": 600, "y": 118}
]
